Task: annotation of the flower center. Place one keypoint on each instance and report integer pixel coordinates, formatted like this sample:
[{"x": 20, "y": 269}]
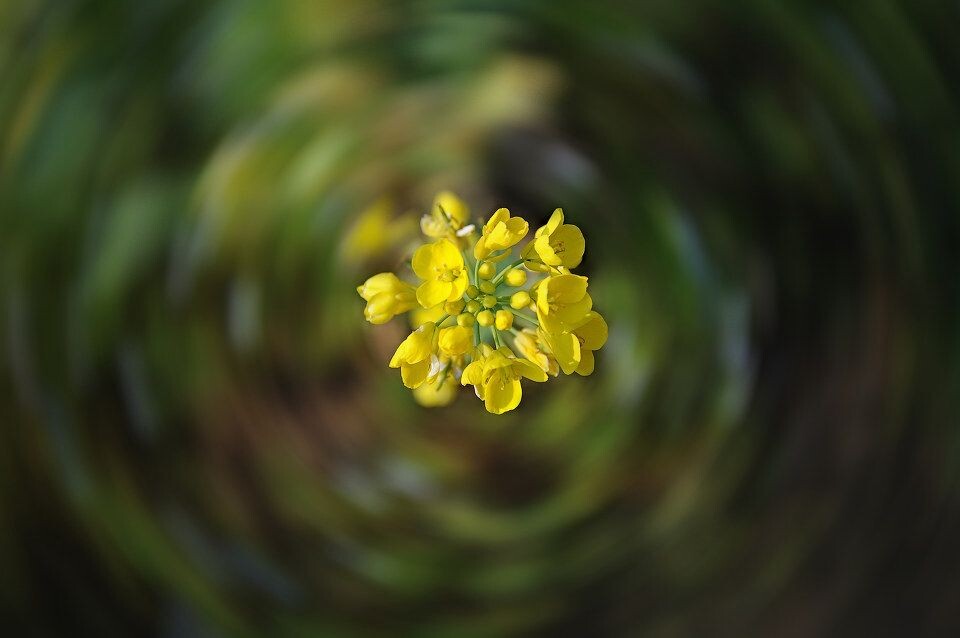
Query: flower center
[
  {"x": 503, "y": 377},
  {"x": 447, "y": 274}
]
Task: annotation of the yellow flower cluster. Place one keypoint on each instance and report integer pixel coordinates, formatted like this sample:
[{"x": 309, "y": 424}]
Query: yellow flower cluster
[{"x": 465, "y": 307}]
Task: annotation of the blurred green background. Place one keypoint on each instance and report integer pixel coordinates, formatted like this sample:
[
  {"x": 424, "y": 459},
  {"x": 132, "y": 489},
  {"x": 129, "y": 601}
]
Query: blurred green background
[{"x": 199, "y": 434}]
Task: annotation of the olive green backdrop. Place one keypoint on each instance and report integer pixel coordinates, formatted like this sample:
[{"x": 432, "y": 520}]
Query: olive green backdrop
[{"x": 199, "y": 434}]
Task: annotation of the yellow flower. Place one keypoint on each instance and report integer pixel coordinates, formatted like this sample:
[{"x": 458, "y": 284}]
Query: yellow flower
[
  {"x": 386, "y": 296},
  {"x": 414, "y": 354},
  {"x": 592, "y": 335},
  {"x": 374, "y": 232},
  {"x": 573, "y": 349},
  {"x": 556, "y": 244},
  {"x": 455, "y": 341},
  {"x": 496, "y": 379},
  {"x": 438, "y": 393},
  {"x": 455, "y": 307},
  {"x": 440, "y": 265},
  {"x": 499, "y": 233},
  {"x": 562, "y": 302},
  {"x": 531, "y": 345},
  {"x": 447, "y": 218}
]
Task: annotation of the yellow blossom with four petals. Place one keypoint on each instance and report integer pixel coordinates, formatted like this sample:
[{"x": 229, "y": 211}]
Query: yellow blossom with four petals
[
  {"x": 499, "y": 233},
  {"x": 562, "y": 302},
  {"x": 447, "y": 219},
  {"x": 413, "y": 355},
  {"x": 496, "y": 379},
  {"x": 531, "y": 345},
  {"x": 386, "y": 297},
  {"x": 440, "y": 265},
  {"x": 555, "y": 244}
]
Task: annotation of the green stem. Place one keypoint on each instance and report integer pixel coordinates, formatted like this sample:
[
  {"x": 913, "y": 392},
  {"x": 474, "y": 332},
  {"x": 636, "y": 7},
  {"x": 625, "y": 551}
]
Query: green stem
[
  {"x": 476, "y": 272},
  {"x": 530, "y": 320},
  {"x": 496, "y": 336}
]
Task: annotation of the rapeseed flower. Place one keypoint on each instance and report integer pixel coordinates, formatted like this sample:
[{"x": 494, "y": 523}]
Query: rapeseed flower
[
  {"x": 476, "y": 323},
  {"x": 500, "y": 233},
  {"x": 440, "y": 265},
  {"x": 386, "y": 297},
  {"x": 447, "y": 219},
  {"x": 555, "y": 244},
  {"x": 496, "y": 379}
]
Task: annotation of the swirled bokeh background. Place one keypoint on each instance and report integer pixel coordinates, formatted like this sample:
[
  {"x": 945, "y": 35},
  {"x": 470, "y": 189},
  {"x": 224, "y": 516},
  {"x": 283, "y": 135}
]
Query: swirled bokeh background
[{"x": 199, "y": 435}]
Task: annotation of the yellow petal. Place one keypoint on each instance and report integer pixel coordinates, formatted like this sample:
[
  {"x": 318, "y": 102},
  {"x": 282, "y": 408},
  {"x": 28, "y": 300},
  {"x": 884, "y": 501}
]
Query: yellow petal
[
  {"x": 499, "y": 237},
  {"x": 549, "y": 324},
  {"x": 502, "y": 397},
  {"x": 574, "y": 315},
  {"x": 445, "y": 253},
  {"x": 593, "y": 332},
  {"x": 501, "y": 215},
  {"x": 529, "y": 370},
  {"x": 414, "y": 374},
  {"x": 480, "y": 250},
  {"x": 472, "y": 374},
  {"x": 561, "y": 290},
  {"x": 586, "y": 363},
  {"x": 456, "y": 340},
  {"x": 555, "y": 221},
  {"x": 545, "y": 251},
  {"x": 435, "y": 395},
  {"x": 518, "y": 228},
  {"x": 382, "y": 282},
  {"x": 418, "y": 346},
  {"x": 566, "y": 348},
  {"x": 566, "y": 289},
  {"x": 381, "y": 308},
  {"x": 433, "y": 226},
  {"x": 454, "y": 207},
  {"x": 459, "y": 286},
  {"x": 422, "y": 260},
  {"x": 568, "y": 244},
  {"x": 433, "y": 292},
  {"x": 526, "y": 343},
  {"x": 497, "y": 360}
]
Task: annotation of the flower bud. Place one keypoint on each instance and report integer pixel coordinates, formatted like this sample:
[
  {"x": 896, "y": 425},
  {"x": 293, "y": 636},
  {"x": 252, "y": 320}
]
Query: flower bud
[
  {"x": 466, "y": 320},
  {"x": 386, "y": 296},
  {"x": 473, "y": 306},
  {"x": 472, "y": 291},
  {"x": 453, "y": 307},
  {"x": 516, "y": 277},
  {"x": 485, "y": 318},
  {"x": 455, "y": 340},
  {"x": 520, "y": 300},
  {"x": 489, "y": 301},
  {"x": 487, "y": 287},
  {"x": 504, "y": 319},
  {"x": 486, "y": 271}
]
